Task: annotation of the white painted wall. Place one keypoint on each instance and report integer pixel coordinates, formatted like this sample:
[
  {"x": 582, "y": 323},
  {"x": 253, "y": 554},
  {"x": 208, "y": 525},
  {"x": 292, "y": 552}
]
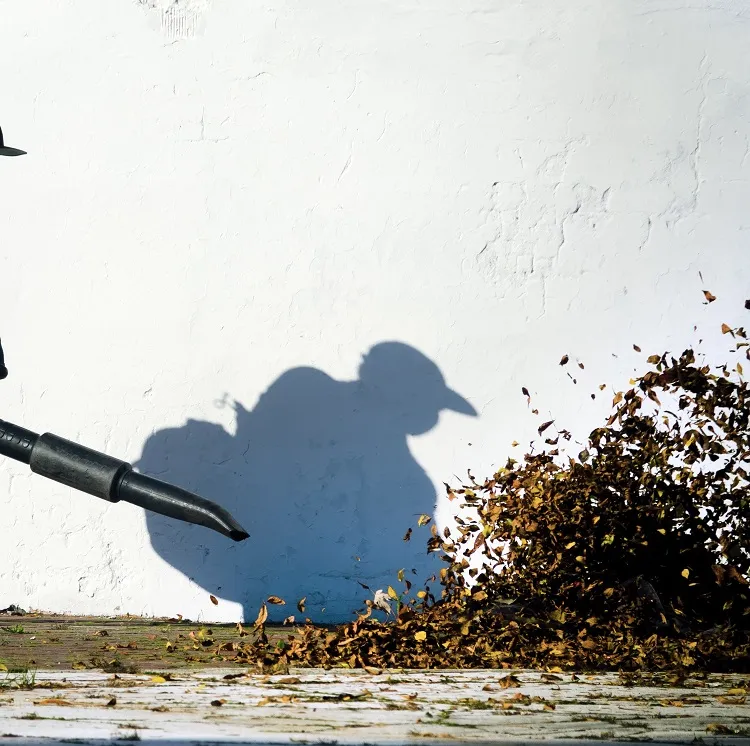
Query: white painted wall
[{"x": 213, "y": 200}]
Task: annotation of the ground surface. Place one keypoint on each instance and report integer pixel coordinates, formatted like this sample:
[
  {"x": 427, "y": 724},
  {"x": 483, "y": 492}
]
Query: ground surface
[
  {"x": 354, "y": 707},
  {"x": 68, "y": 681},
  {"x": 121, "y": 643}
]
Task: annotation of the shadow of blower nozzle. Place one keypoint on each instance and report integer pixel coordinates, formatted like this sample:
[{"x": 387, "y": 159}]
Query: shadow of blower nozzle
[{"x": 111, "y": 479}]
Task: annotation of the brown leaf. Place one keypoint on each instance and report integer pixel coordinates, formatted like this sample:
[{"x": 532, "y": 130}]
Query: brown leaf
[
  {"x": 636, "y": 348},
  {"x": 720, "y": 729},
  {"x": 217, "y": 702},
  {"x": 564, "y": 360},
  {"x": 732, "y": 700},
  {"x": 59, "y": 701},
  {"x": 112, "y": 702},
  {"x": 710, "y": 297},
  {"x": 726, "y": 329},
  {"x": 544, "y": 426},
  {"x": 301, "y": 604},
  {"x": 276, "y": 600},
  {"x": 407, "y": 535},
  {"x": 262, "y": 616}
]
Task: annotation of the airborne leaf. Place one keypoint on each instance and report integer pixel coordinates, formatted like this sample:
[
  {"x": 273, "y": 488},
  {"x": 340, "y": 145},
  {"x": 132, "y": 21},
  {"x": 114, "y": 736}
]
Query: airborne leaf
[
  {"x": 564, "y": 360},
  {"x": 262, "y": 616},
  {"x": 544, "y": 426}
]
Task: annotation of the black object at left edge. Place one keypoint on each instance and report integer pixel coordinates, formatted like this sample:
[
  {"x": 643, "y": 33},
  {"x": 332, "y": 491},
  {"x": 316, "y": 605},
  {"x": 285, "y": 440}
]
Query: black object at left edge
[
  {"x": 5, "y": 150},
  {"x": 109, "y": 478}
]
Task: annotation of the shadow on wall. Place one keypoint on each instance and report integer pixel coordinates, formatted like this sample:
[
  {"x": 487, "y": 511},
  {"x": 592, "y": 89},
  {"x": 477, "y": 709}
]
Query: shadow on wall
[{"x": 321, "y": 475}]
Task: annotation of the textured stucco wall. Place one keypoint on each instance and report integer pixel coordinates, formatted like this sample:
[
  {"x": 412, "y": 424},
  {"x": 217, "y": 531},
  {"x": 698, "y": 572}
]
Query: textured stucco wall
[{"x": 227, "y": 204}]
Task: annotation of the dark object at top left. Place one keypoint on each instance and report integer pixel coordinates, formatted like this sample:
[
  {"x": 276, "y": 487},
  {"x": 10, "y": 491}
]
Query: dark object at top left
[
  {"x": 3, "y": 369},
  {"x": 5, "y": 150}
]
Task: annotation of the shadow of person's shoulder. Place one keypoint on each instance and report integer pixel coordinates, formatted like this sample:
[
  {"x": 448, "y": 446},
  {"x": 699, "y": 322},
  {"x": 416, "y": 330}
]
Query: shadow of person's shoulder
[{"x": 296, "y": 385}]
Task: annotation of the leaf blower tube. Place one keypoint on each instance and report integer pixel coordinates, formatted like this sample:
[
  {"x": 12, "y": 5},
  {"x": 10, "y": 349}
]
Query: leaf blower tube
[{"x": 111, "y": 479}]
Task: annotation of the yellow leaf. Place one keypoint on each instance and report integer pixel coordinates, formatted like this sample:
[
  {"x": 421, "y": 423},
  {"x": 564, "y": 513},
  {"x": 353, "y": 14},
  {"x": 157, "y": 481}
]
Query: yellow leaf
[
  {"x": 570, "y": 545},
  {"x": 3, "y": 667},
  {"x": 420, "y": 636},
  {"x": 424, "y": 519},
  {"x": 479, "y": 596},
  {"x": 158, "y": 680},
  {"x": 392, "y": 593},
  {"x": 421, "y": 594},
  {"x": 401, "y": 575},
  {"x": 685, "y": 573}
]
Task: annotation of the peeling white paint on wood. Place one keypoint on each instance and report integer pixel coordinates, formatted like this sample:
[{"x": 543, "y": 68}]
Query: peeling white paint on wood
[{"x": 339, "y": 707}]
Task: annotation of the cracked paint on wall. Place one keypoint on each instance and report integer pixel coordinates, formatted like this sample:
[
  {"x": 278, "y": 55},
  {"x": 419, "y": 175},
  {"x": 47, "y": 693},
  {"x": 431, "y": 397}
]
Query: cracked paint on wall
[{"x": 179, "y": 19}]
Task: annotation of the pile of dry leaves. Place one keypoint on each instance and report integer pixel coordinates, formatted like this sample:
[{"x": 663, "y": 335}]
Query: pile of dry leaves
[{"x": 632, "y": 553}]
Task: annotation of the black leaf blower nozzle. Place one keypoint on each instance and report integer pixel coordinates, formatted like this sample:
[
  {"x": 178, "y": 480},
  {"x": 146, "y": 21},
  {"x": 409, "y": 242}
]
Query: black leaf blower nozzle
[{"x": 111, "y": 479}]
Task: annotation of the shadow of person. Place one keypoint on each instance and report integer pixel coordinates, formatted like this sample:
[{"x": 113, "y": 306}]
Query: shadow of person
[{"x": 321, "y": 475}]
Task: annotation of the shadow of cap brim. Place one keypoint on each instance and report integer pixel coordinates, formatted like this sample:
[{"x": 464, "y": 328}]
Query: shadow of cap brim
[
  {"x": 11, "y": 151},
  {"x": 456, "y": 403}
]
